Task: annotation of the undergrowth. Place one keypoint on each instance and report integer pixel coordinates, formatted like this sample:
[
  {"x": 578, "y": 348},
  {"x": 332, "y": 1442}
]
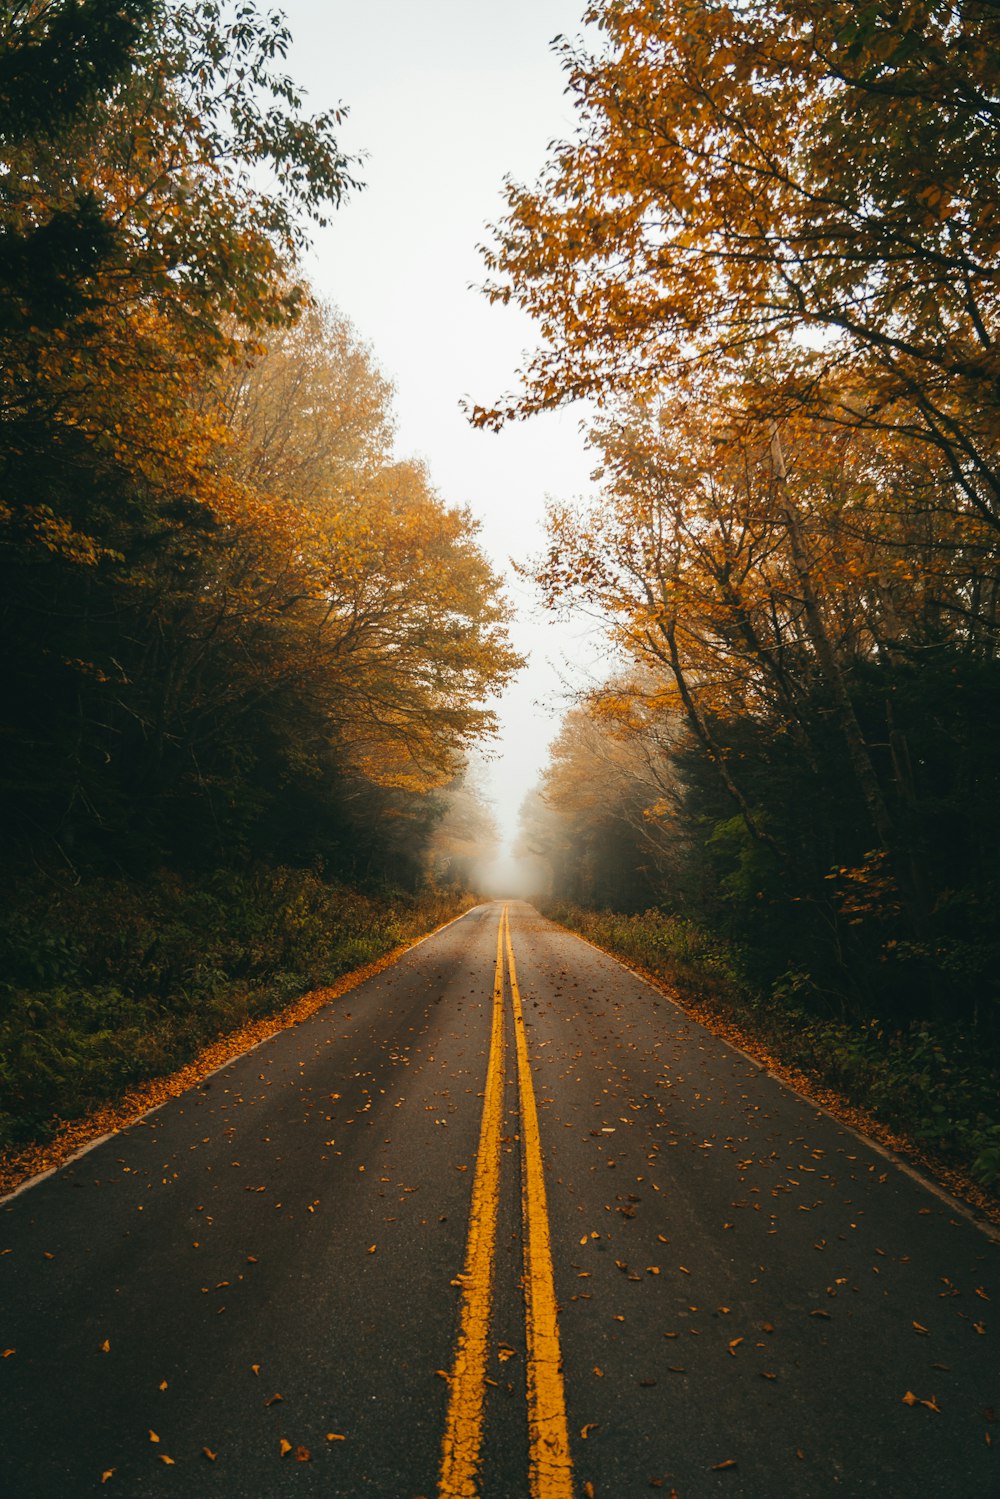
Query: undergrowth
[
  {"x": 934, "y": 1082},
  {"x": 106, "y": 984}
]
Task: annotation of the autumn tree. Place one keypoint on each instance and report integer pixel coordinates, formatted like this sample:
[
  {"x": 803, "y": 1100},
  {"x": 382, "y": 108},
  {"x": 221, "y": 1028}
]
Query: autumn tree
[
  {"x": 238, "y": 626},
  {"x": 764, "y": 180},
  {"x": 815, "y": 612}
]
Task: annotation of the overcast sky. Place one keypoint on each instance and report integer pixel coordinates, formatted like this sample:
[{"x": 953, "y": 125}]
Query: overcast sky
[{"x": 446, "y": 97}]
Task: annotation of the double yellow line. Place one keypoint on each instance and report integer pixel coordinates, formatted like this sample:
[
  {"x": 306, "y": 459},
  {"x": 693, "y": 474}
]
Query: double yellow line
[{"x": 550, "y": 1467}]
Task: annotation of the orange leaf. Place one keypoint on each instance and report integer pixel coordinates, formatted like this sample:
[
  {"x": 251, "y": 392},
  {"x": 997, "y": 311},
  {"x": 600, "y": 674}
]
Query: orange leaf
[
  {"x": 335, "y": 1436},
  {"x": 108, "y": 1473},
  {"x": 153, "y": 1437},
  {"x": 730, "y": 1462},
  {"x": 284, "y": 1446},
  {"x": 210, "y": 1454},
  {"x": 303, "y": 1455}
]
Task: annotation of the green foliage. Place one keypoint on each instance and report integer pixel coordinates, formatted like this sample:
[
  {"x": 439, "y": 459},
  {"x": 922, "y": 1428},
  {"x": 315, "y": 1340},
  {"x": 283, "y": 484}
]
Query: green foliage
[{"x": 110, "y": 983}]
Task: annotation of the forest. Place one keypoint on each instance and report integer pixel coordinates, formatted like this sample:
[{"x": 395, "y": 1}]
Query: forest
[
  {"x": 768, "y": 257},
  {"x": 248, "y": 650}
]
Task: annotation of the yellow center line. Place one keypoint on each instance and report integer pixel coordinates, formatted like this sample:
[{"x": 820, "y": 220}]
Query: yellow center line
[
  {"x": 467, "y": 1385},
  {"x": 551, "y": 1471}
]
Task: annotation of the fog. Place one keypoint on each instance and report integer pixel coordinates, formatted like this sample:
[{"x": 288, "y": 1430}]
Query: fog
[{"x": 512, "y": 877}]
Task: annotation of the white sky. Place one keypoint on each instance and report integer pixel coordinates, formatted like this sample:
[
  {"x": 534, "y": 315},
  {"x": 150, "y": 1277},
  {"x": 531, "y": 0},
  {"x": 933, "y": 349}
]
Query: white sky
[{"x": 447, "y": 97}]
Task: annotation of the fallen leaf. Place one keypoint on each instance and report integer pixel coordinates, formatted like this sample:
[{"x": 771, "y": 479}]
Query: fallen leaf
[
  {"x": 163, "y": 1384},
  {"x": 168, "y": 1460},
  {"x": 371, "y": 1250},
  {"x": 106, "y": 1346},
  {"x": 910, "y": 1399},
  {"x": 598, "y": 1372},
  {"x": 919, "y": 1327},
  {"x": 9, "y": 1353},
  {"x": 730, "y": 1462},
  {"x": 210, "y": 1454},
  {"x": 153, "y": 1437},
  {"x": 284, "y": 1446},
  {"x": 303, "y": 1455},
  {"x": 588, "y": 1428},
  {"x": 107, "y": 1474},
  {"x": 255, "y": 1368},
  {"x": 588, "y": 1490},
  {"x": 443, "y": 1374},
  {"x": 765, "y": 1375},
  {"x": 335, "y": 1436},
  {"x": 274, "y": 1399}
]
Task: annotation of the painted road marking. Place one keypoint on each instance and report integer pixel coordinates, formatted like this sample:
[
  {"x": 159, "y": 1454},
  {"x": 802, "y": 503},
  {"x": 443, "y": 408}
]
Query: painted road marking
[
  {"x": 551, "y": 1469},
  {"x": 467, "y": 1385}
]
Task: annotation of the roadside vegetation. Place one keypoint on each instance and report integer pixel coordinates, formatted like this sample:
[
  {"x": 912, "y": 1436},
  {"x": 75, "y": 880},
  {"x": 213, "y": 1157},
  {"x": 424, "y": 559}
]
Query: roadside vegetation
[{"x": 111, "y": 984}]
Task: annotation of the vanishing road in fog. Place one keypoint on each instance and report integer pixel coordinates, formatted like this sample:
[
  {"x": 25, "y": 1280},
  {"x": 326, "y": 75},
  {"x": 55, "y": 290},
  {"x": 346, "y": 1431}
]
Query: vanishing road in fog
[{"x": 334, "y": 1268}]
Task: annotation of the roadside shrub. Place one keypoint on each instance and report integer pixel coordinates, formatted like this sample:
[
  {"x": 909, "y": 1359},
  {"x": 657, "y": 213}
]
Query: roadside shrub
[{"x": 106, "y": 984}]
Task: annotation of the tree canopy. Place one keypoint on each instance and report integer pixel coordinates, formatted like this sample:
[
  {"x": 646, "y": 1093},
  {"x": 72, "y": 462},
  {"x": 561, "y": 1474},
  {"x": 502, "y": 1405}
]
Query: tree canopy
[{"x": 238, "y": 624}]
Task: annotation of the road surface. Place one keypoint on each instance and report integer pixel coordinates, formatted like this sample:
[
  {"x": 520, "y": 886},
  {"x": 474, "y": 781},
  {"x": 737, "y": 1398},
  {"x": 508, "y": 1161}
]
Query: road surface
[{"x": 501, "y": 1221}]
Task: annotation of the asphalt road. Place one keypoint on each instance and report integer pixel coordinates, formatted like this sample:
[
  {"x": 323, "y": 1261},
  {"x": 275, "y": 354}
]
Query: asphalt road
[{"x": 277, "y": 1267}]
